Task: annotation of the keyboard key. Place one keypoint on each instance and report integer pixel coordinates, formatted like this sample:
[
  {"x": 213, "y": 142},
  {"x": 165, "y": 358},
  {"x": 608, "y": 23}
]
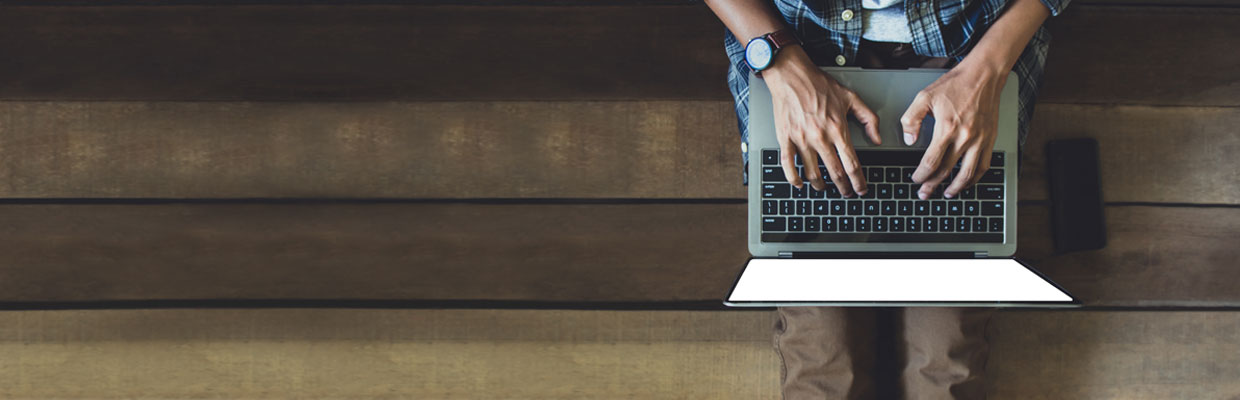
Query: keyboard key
[
  {"x": 773, "y": 224},
  {"x": 773, "y": 174},
  {"x": 955, "y": 208},
  {"x": 938, "y": 208},
  {"x": 930, "y": 224},
  {"x": 801, "y": 192},
  {"x": 869, "y": 192},
  {"x": 962, "y": 224},
  {"x": 893, "y": 175},
  {"x": 989, "y": 192},
  {"x": 833, "y": 192},
  {"x": 786, "y": 207},
  {"x": 871, "y": 207},
  {"x": 889, "y": 208},
  {"x": 880, "y": 224},
  {"x": 846, "y": 224},
  {"x": 854, "y": 208},
  {"x": 770, "y": 207},
  {"x": 992, "y": 208},
  {"x": 804, "y": 207},
  {"x": 863, "y": 224},
  {"x": 828, "y": 224},
  {"x": 979, "y": 224},
  {"x": 776, "y": 190},
  {"x": 821, "y": 207},
  {"x": 992, "y": 176},
  {"x": 837, "y": 207},
  {"x": 921, "y": 207},
  {"x": 905, "y": 208},
  {"x": 947, "y": 224},
  {"x": 794, "y": 224},
  {"x": 897, "y": 224},
  {"x": 907, "y": 174},
  {"x": 902, "y": 191},
  {"x": 968, "y": 193},
  {"x": 914, "y": 224},
  {"x": 996, "y": 159},
  {"x": 884, "y": 191},
  {"x": 770, "y": 157},
  {"x": 816, "y": 194},
  {"x": 873, "y": 174},
  {"x": 811, "y": 224},
  {"x": 970, "y": 208},
  {"x": 996, "y": 224}
]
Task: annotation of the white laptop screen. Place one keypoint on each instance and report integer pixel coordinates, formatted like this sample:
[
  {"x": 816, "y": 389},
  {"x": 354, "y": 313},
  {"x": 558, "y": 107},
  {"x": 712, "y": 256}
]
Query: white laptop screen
[{"x": 892, "y": 280}]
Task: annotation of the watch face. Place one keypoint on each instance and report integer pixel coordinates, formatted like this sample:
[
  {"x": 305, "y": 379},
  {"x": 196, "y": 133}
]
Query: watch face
[{"x": 758, "y": 53}]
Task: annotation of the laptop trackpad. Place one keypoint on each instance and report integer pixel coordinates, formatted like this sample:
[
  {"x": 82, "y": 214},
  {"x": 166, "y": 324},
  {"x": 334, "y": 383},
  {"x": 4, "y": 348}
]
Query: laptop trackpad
[{"x": 905, "y": 281}]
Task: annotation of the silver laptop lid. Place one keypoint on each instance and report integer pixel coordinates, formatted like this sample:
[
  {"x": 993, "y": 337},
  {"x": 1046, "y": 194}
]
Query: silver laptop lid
[
  {"x": 991, "y": 282},
  {"x": 888, "y": 93}
]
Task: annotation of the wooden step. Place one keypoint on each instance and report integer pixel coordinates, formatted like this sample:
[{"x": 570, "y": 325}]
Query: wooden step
[
  {"x": 637, "y": 149},
  {"x": 566, "y": 51},
  {"x": 567, "y": 253},
  {"x": 527, "y": 354}
]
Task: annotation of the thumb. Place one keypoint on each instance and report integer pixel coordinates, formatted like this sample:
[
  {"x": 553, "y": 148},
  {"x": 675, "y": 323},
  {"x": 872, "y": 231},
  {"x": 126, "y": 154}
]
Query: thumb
[{"x": 911, "y": 121}]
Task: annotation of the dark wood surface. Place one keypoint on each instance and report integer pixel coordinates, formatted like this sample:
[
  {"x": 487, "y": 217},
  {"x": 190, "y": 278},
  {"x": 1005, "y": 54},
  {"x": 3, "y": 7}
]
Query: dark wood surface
[
  {"x": 548, "y": 252},
  {"x": 1101, "y": 54},
  {"x": 644, "y": 149}
]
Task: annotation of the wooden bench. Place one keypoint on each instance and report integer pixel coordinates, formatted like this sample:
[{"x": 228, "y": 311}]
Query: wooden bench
[{"x": 416, "y": 154}]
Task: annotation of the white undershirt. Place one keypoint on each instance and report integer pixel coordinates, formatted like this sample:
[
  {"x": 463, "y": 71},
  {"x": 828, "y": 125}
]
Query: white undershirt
[{"x": 885, "y": 21}]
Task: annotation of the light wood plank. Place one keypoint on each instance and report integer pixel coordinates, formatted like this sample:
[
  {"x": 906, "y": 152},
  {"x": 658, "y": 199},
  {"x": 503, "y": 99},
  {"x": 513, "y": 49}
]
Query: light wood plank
[
  {"x": 642, "y": 149},
  {"x": 1156, "y": 256},
  {"x": 450, "y": 354},
  {"x": 1102, "y": 54}
]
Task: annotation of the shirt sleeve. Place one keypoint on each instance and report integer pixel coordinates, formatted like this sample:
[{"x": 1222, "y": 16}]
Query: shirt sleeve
[{"x": 1056, "y": 6}]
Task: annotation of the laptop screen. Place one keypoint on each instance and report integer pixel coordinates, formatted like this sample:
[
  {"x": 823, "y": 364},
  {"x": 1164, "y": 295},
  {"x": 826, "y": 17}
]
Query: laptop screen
[{"x": 892, "y": 280}]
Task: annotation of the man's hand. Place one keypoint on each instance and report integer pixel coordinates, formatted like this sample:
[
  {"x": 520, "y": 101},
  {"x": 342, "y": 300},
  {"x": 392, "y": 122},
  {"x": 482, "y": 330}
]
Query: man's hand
[
  {"x": 965, "y": 105},
  {"x": 811, "y": 120}
]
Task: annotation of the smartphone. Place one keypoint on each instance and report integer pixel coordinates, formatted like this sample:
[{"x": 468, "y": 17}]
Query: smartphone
[{"x": 1077, "y": 216}]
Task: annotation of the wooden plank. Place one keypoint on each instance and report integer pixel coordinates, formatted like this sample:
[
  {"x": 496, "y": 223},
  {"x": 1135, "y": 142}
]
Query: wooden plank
[
  {"x": 445, "y": 354},
  {"x": 439, "y": 52},
  {"x": 553, "y": 252},
  {"x": 643, "y": 149}
]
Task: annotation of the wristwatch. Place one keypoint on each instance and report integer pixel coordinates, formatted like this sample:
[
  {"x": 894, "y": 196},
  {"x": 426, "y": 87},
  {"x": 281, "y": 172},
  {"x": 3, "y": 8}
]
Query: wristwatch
[{"x": 761, "y": 50}]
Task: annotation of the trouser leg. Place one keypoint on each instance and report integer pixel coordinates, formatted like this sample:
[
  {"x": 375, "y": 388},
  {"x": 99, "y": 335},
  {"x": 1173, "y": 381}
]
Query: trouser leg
[
  {"x": 825, "y": 352},
  {"x": 946, "y": 352}
]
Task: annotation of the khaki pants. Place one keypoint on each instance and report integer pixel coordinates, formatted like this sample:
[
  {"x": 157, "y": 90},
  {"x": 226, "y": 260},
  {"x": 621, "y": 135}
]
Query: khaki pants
[{"x": 835, "y": 353}]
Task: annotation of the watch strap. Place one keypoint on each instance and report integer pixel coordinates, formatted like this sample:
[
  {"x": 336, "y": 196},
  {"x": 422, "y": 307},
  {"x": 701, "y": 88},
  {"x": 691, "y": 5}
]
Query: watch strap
[{"x": 781, "y": 38}]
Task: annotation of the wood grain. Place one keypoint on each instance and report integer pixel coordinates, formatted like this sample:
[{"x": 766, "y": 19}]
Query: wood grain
[
  {"x": 523, "y": 354},
  {"x": 1156, "y": 256},
  {"x": 1101, "y": 54},
  {"x": 640, "y": 149}
]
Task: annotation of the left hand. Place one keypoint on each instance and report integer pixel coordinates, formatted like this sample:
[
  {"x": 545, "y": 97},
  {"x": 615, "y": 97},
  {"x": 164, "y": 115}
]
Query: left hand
[{"x": 965, "y": 105}]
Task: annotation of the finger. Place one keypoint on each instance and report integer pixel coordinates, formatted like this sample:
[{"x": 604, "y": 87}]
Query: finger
[
  {"x": 835, "y": 170},
  {"x": 788, "y": 161},
  {"x": 968, "y": 172},
  {"x": 933, "y": 156},
  {"x": 809, "y": 168},
  {"x": 951, "y": 155},
  {"x": 867, "y": 117},
  {"x": 911, "y": 121},
  {"x": 852, "y": 168}
]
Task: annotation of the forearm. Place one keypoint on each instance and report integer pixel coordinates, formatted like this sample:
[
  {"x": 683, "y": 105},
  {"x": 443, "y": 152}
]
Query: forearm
[
  {"x": 1001, "y": 45},
  {"x": 746, "y": 19}
]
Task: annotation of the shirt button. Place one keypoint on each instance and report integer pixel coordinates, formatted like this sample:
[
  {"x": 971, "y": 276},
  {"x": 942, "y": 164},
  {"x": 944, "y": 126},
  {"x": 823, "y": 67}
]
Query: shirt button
[
  {"x": 840, "y": 60},
  {"x": 744, "y": 147},
  {"x": 847, "y": 15}
]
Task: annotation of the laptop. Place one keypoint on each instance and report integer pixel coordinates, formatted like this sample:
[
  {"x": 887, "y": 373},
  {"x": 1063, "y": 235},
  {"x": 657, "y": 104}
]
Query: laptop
[{"x": 887, "y": 248}]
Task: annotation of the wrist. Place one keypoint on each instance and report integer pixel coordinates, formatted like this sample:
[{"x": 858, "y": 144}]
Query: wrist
[{"x": 789, "y": 60}]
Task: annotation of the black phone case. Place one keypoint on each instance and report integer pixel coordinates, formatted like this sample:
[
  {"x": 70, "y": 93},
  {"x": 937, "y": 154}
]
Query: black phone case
[{"x": 1077, "y": 218}]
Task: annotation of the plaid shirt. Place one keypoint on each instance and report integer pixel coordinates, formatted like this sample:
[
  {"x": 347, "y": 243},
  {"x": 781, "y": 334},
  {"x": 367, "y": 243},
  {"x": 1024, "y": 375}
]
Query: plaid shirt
[{"x": 940, "y": 28}]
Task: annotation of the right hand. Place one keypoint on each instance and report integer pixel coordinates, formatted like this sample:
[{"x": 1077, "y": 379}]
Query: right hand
[{"x": 811, "y": 120}]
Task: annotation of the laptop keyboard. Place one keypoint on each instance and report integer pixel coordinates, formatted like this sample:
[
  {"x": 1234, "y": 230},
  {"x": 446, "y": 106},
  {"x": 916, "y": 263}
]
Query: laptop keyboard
[{"x": 889, "y": 212}]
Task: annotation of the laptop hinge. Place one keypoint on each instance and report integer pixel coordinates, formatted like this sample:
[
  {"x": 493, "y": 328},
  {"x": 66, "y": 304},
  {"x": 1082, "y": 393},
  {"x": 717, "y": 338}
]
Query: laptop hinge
[
  {"x": 891, "y": 255},
  {"x": 785, "y": 254},
  {"x": 980, "y": 254}
]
